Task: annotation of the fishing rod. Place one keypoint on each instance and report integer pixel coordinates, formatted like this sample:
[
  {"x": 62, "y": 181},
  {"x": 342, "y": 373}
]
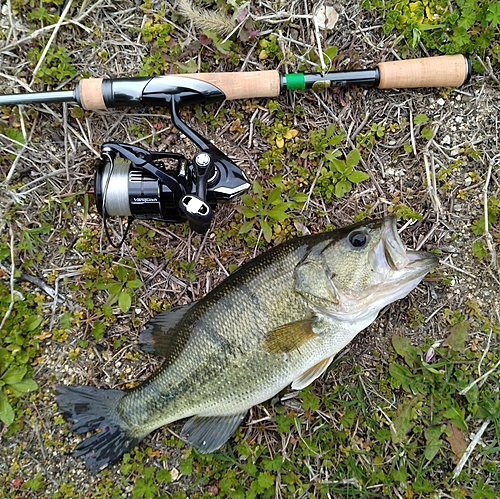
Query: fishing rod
[{"x": 136, "y": 183}]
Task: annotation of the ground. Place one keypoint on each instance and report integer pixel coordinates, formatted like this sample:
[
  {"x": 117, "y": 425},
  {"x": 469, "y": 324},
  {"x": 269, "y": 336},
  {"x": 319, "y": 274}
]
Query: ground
[{"x": 432, "y": 156}]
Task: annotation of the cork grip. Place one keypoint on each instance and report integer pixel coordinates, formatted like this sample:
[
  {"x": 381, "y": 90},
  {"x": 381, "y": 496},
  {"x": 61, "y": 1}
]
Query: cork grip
[
  {"x": 90, "y": 91},
  {"x": 440, "y": 71},
  {"x": 243, "y": 85}
]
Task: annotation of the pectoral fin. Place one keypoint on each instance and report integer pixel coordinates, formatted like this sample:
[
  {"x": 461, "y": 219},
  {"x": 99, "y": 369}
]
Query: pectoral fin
[
  {"x": 160, "y": 334},
  {"x": 290, "y": 337},
  {"x": 307, "y": 377},
  {"x": 207, "y": 434}
]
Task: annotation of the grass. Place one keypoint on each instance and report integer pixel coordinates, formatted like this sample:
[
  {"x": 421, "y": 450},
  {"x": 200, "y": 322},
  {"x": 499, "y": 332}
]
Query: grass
[
  {"x": 451, "y": 28},
  {"x": 397, "y": 430},
  {"x": 395, "y": 425}
]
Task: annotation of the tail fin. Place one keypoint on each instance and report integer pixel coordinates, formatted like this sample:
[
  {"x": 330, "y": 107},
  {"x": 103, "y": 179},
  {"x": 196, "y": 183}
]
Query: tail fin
[{"x": 91, "y": 408}]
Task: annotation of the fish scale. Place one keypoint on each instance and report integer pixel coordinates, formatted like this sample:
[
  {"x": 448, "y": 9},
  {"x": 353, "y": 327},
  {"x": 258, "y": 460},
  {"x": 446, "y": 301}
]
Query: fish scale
[{"x": 278, "y": 320}]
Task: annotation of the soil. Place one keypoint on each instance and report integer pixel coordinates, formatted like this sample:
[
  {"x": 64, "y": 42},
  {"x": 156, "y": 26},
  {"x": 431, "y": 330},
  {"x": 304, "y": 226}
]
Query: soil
[{"x": 58, "y": 161}]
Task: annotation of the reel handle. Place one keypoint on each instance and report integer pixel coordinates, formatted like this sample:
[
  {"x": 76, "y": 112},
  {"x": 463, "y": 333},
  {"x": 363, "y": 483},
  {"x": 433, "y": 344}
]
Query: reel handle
[{"x": 194, "y": 206}]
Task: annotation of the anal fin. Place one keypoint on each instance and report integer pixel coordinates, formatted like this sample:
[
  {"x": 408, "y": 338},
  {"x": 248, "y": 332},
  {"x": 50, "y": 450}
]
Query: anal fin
[
  {"x": 207, "y": 434},
  {"x": 307, "y": 377}
]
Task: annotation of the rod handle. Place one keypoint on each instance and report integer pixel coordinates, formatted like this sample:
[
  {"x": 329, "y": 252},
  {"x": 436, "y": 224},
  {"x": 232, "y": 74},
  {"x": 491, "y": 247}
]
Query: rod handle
[
  {"x": 439, "y": 71},
  {"x": 90, "y": 94}
]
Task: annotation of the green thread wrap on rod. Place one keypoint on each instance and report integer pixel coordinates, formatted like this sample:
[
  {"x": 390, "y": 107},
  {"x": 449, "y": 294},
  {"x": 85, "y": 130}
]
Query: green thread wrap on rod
[{"x": 295, "y": 81}]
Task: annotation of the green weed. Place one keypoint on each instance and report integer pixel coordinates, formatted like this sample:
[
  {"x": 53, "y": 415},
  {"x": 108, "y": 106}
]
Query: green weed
[
  {"x": 117, "y": 279},
  {"x": 367, "y": 140},
  {"x": 478, "y": 226},
  {"x": 338, "y": 176},
  {"x": 56, "y": 68},
  {"x": 143, "y": 243},
  {"x": 320, "y": 150},
  {"x": 402, "y": 211},
  {"x": 42, "y": 14},
  {"x": 121, "y": 286},
  {"x": 267, "y": 212},
  {"x": 460, "y": 27},
  {"x": 421, "y": 119},
  {"x": 269, "y": 49},
  {"x": 158, "y": 33},
  {"x": 22, "y": 330}
]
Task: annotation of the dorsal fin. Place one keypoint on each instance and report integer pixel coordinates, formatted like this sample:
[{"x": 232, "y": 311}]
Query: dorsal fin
[
  {"x": 290, "y": 336},
  {"x": 307, "y": 377},
  {"x": 159, "y": 334}
]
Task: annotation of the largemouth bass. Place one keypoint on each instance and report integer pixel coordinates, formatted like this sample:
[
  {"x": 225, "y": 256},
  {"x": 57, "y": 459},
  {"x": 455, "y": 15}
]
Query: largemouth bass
[{"x": 276, "y": 321}]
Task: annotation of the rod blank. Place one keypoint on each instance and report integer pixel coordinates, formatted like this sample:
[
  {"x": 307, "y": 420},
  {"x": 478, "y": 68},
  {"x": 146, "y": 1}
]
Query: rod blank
[{"x": 38, "y": 98}]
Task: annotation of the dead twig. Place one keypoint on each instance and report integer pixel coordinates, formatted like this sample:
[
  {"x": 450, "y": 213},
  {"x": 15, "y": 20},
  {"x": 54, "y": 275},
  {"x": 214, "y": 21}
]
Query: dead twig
[
  {"x": 11, "y": 280},
  {"x": 487, "y": 235},
  {"x": 470, "y": 448}
]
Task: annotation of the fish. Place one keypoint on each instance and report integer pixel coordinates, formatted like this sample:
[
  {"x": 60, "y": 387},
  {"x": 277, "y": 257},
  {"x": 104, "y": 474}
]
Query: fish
[{"x": 277, "y": 321}]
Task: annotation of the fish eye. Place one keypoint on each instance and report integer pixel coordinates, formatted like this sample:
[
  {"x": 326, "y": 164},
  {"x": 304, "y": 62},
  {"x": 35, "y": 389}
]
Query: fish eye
[{"x": 358, "y": 240}]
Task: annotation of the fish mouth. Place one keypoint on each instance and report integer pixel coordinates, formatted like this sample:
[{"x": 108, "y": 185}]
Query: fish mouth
[
  {"x": 398, "y": 257},
  {"x": 403, "y": 268}
]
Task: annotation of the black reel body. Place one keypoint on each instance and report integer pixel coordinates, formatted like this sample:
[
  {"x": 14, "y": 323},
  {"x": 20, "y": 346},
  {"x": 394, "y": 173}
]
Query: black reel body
[{"x": 135, "y": 183}]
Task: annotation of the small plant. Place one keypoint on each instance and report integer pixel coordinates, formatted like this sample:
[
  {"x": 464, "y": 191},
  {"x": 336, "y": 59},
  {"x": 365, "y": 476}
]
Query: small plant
[
  {"x": 402, "y": 211},
  {"x": 120, "y": 287},
  {"x": 338, "y": 176},
  {"x": 56, "y": 67},
  {"x": 158, "y": 33},
  {"x": 367, "y": 140},
  {"x": 41, "y": 14},
  {"x": 143, "y": 243},
  {"x": 426, "y": 132},
  {"x": 17, "y": 141},
  {"x": 267, "y": 212},
  {"x": 14, "y": 383},
  {"x": 478, "y": 226},
  {"x": 269, "y": 49},
  {"x": 188, "y": 268},
  {"x": 20, "y": 334},
  {"x": 322, "y": 140},
  {"x": 283, "y": 133}
]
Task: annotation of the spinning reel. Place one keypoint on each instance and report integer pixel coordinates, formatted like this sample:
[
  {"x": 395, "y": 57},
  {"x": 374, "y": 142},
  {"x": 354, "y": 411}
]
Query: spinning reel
[{"x": 165, "y": 186}]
